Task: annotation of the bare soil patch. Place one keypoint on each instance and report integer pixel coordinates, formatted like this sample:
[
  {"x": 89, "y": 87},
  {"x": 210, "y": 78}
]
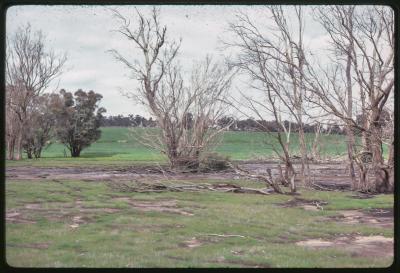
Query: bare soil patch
[
  {"x": 17, "y": 218},
  {"x": 125, "y": 199},
  {"x": 313, "y": 205},
  {"x": 96, "y": 210},
  {"x": 373, "y": 217},
  {"x": 207, "y": 238},
  {"x": 58, "y": 211},
  {"x": 33, "y": 206},
  {"x": 169, "y": 206},
  {"x": 241, "y": 263},
  {"x": 163, "y": 206},
  {"x": 192, "y": 243},
  {"x": 139, "y": 227},
  {"x": 380, "y": 212},
  {"x": 78, "y": 220},
  {"x": 33, "y": 245},
  {"x": 222, "y": 260},
  {"x": 365, "y": 246}
]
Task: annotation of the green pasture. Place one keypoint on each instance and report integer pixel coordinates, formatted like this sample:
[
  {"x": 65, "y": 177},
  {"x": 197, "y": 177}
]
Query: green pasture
[
  {"x": 118, "y": 146},
  {"x": 113, "y": 233},
  {"x": 75, "y": 223}
]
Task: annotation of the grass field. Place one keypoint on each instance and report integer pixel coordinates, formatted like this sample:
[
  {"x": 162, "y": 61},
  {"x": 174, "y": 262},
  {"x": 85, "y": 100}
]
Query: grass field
[
  {"x": 82, "y": 224},
  {"x": 69, "y": 222},
  {"x": 117, "y": 147}
]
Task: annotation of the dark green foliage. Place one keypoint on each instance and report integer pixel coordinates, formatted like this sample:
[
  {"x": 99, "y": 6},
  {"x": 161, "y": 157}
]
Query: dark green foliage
[{"x": 78, "y": 119}]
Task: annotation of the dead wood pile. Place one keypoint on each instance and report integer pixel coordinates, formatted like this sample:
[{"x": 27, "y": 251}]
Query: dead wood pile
[{"x": 145, "y": 187}]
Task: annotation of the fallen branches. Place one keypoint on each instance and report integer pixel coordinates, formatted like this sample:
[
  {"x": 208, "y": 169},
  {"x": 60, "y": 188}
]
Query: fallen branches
[
  {"x": 319, "y": 187},
  {"x": 142, "y": 187},
  {"x": 229, "y": 236},
  {"x": 225, "y": 235},
  {"x": 269, "y": 180}
]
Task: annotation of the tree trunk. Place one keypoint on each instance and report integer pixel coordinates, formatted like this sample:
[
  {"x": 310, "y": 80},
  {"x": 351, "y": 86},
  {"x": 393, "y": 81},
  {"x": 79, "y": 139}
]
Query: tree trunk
[
  {"x": 10, "y": 148},
  {"x": 349, "y": 131},
  {"x": 305, "y": 168},
  {"x": 19, "y": 146},
  {"x": 316, "y": 143},
  {"x": 363, "y": 185},
  {"x": 391, "y": 154},
  {"x": 391, "y": 166},
  {"x": 391, "y": 179},
  {"x": 283, "y": 177},
  {"x": 75, "y": 152},
  {"x": 172, "y": 151},
  {"x": 381, "y": 183},
  {"x": 29, "y": 153},
  {"x": 291, "y": 173},
  {"x": 350, "y": 156},
  {"x": 289, "y": 170},
  {"x": 38, "y": 152}
]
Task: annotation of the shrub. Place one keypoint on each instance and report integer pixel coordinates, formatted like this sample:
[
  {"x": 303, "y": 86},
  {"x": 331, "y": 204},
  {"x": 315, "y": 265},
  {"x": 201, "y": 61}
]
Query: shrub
[
  {"x": 186, "y": 163},
  {"x": 215, "y": 162}
]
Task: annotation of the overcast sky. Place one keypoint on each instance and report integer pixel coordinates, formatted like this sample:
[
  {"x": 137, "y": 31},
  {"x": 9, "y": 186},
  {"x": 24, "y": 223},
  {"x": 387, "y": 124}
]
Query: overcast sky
[{"x": 85, "y": 33}]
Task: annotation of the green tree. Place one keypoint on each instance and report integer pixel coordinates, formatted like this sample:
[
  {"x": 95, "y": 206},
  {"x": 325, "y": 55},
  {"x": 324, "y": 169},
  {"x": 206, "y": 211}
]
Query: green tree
[{"x": 78, "y": 119}]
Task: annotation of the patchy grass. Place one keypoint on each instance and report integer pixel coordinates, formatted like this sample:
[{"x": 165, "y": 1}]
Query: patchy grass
[{"x": 88, "y": 224}]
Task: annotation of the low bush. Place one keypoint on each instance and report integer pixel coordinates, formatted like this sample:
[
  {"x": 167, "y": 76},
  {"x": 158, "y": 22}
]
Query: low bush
[{"x": 214, "y": 161}]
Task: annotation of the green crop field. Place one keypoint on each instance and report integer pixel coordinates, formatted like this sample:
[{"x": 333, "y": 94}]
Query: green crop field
[{"x": 118, "y": 146}]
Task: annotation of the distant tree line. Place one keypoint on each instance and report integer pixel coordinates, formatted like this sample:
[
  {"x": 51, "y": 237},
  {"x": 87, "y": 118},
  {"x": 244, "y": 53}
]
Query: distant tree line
[
  {"x": 250, "y": 124},
  {"x": 127, "y": 121},
  {"x": 227, "y": 122}
]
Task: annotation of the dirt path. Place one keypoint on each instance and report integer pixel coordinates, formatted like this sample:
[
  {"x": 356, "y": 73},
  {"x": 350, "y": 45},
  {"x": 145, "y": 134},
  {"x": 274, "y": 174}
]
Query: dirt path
[{"x": 332, "y": 175}]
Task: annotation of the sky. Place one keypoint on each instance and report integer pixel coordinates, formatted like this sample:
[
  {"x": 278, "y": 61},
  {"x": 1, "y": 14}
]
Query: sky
[{"x": 86, "y": 34}]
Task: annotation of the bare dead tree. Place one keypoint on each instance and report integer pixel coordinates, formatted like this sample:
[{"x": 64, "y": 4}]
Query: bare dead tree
[
  {"x": 294, "y": 68},
  {"x": 189, "y": 113},
  {"x": 316, "y": 148},
  {"x": 30, "y": 68},
  {"x": 275, "y": 63},
  {"x": 365, "y": 36},
  {"x": 338, "y": 23},
  {"x": 41, "y": 124},
  {"x": 270, "y": 105},
  {"x": 12, "y": 124},
  {"x": 167, "y": 95}
]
